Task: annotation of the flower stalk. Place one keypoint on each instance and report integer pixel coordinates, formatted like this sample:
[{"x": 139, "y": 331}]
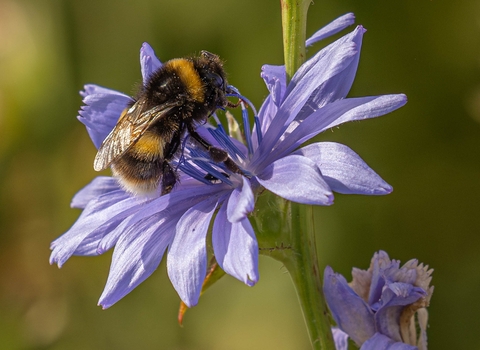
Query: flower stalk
[
  {"x": 294, "y": 21},
  {"x": 302, "y": 262},
  {"x": 285, "y": 232},
  {"x": 306, "y": 275}
]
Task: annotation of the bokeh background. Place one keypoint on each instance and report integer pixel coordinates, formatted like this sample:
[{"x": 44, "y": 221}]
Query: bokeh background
[{"x": 429, "y": 151}]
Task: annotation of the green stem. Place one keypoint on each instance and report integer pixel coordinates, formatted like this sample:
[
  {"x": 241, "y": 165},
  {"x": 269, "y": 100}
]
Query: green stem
[
  {"x": 285, "y": 232},
  {"x": 301, "y": 261},
  {"x": 307, "y": 277},
  {"x": 294, "y": 22}
]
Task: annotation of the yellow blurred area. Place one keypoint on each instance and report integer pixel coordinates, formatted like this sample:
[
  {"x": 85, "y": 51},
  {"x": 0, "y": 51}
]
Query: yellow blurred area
[{"x": 429, "y": 151}]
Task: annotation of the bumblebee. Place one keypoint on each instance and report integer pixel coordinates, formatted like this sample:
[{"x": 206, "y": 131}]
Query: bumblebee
[{"x": 181, "y": 94}]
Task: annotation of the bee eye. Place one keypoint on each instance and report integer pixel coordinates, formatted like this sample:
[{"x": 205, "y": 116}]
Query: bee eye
[{"x": 215, "y": 79}]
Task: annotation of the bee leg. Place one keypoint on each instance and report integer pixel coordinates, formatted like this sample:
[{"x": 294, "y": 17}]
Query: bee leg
[
  {"x": 218, "y": 155},
  {"x": 169, "y": 178},
  {"x": 233, "y": 105},
  {"x": 169, "y": 175},
  {"x": 214, "y": 179}
]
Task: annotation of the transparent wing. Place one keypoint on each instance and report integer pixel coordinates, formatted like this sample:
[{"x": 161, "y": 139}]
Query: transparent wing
[{"x": 132, "y": 124}]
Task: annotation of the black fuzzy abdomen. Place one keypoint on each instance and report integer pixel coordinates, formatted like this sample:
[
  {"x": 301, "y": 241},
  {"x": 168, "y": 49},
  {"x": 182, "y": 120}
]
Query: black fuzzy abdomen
[
  {"x": 138, "y": 176},
  {"x": 140, "y": 169}
]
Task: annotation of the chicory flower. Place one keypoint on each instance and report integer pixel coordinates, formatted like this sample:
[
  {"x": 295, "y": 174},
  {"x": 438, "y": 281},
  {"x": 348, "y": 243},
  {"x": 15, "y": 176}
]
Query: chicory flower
[
  {"x": 382, "y": 306},
  {"x": 142, "y": 229}
]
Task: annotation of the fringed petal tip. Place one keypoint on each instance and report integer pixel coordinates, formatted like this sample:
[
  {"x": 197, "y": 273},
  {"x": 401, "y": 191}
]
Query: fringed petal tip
[
  {"x": 90, "y": 89},
  {"x": 87, "y": 90},
  {"x": 148, "y": 61},
  {"x": 330, "y": 275},
  {"x": 110, "y": 297},
  {"x": 394, "y": 101},
  {"x": 55, "y": 256},
  {"x": 52, "y": 261},
  {"x": 361, "y": 29},
  {"x": 103, "y": 305},
  {"x": 384, "y": 190},
  {"x": 147, "y": 49},
  {"x": 251, "y": 280},
  {"x": 55, "y": 260},
  {"x": 329, "y": 200}
]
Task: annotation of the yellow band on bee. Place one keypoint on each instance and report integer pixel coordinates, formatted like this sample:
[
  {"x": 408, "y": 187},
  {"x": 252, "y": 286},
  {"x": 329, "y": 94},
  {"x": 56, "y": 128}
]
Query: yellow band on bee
[
  {"x": 189, "y": 76},
  {"x": 150, "y": 145}
]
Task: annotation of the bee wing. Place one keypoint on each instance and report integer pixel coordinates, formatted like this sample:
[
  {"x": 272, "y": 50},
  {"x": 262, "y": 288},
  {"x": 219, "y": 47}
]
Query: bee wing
[{"x": 132, "y": 124}]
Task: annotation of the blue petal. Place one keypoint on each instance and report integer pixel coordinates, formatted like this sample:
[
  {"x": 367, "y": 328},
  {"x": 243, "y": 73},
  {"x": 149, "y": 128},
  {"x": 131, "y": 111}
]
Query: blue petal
[
  {"x": 149, "y": 63},
  {"x": 347, "y": 47},
  {"x": 275, "y": 78},
  {"x": 177, "y": 201},
  {"x": 137, "y": 255},
  {"x": 92, "y": 89},
  {"x": 338, "y": 86},
  {"x": 395, "y": 296},
  {"x": 332, "y": 28},
  {"x": 380, "y": 341},
  {"x": 168, "y": 206},
  {"x": 297, "y": 179},
  {"x": 326, "y": 65},
  {"x": 171, "y": 206},
  {"x": 99, "y": 185},
  {"x": 101, "y": 111},
  {"x": 334, "y": 114},
  {"x": 113, "y": 224},
  {"x": 340, "y": 338},
  {"x": 399, "y": 293},
  {"x": 351, "y": 313},
  {"x": 89, "y": 227},
  {"x": 241, "y": 202},
  {"x": 117, "y": 226},
  {"x": 187, "y": 257},
  {"x": 380, "y": 263},
  {"x": 359, "y": 109},
  {"x": 236, "y": 248},
  {"x": 343, "y": 170},
  {"x": 406, "y": 274},
  {"x": 266, "y": 114}
]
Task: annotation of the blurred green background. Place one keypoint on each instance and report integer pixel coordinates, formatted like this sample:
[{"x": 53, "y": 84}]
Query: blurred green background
[{"x": 429, "y": 151}]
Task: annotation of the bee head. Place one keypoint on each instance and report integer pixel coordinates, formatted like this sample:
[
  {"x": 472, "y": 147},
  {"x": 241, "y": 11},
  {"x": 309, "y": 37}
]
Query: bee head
[
  {"x": 213, "y": 72},
  {"x": 214, "y": 77}
]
